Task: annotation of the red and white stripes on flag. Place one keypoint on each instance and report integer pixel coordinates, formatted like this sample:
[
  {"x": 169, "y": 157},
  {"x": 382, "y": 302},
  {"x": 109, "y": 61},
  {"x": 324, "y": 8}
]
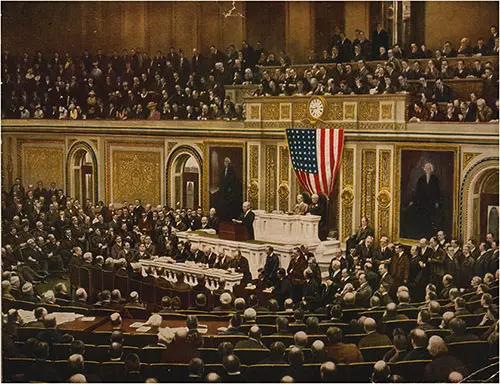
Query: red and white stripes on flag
[{"x": 316, "y": 155}]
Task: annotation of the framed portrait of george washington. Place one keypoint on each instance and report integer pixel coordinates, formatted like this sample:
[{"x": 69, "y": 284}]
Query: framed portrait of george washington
[{"x": 427, "y": 189}]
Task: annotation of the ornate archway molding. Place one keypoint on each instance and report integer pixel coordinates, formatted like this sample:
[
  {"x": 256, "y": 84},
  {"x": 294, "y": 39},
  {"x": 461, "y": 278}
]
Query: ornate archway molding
[{"x": 75, "y": 147}]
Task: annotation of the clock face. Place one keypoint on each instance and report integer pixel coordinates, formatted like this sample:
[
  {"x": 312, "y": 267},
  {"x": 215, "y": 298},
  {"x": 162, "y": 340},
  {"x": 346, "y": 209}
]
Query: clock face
[{"x": 316, "y": 108}]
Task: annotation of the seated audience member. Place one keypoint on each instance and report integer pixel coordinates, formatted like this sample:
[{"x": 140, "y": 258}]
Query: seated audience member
[
  {"x": 418, "y": 340},
  {"x": 249, "y": 316},
  {"x": 200, "y": 303},
  {"x": 281, "y": 326},
  {"x": 458, "y": 329},
  {"x": 253, "y": 341},
  {"x": 328, "y": 372},
  {"x": 234, "y": 326},
  {"x": 318, "y": 353},
  {"x": 225, "y": 302},
  {"x": 340, "y": 352},
  {"x": 40, "y": 314},
  {"x": 276, "y": 355},
  {"x": 195, "y": 370},
  {"x": 442, "y": 363},
  {"x": 300, "y": 339},
  {"x": 391, "y": 313},
  {"x": 373, "y": 338},
  {"x": 400, "y": 349},
  {"x": 50, "y": 335},
  {"x": 116, "y": 321},
  {"x": 232, "y": 369}
]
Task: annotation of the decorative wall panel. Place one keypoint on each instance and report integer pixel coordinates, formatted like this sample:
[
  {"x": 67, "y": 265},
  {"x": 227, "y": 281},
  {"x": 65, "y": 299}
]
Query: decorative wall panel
[
  {"x": 385, "y": 171},
  {"x": 45, "y": 164},
  {"x": 253, "y": 186},
  {"x": 368, "y": 174},
  {"x": 136, "y": 175},
  {"x": 271, "y": 177},
  {"x": 348, "y": 166},
  {"x": 40, "y": 160},
  {"x": 384, "y": 197},
  {"x": 369, "y": 111},
  {"x": 347, "y": 198}
]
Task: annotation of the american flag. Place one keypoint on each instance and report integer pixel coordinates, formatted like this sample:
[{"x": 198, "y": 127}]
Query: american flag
[{"x": 316, "y": 157}]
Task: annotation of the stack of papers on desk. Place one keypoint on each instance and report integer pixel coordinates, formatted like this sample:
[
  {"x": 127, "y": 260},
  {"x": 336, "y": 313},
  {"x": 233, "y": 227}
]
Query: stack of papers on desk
[{"x": 137, "y": 324}]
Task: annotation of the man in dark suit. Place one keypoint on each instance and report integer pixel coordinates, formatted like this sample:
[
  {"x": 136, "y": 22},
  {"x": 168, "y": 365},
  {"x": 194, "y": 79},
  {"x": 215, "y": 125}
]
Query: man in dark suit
[
  {"x": 419, "y": 342},
  {"x": 338, "y": 351},
  {"x": 253, "y": 341},
  {"x": 458, "y": 329},
  {"x": 399, "y": 266},
  {"x": 384, "y": 253},
  {"x": 482, "y": 261},
  {"x": 247, "y": 217},
  {"x": 234, "y": 326},
  {"x": 363, "y": 232},
  {"x": 366, "y": 250},
  {"x": 380, "y": 38},
  {"x": 385, "y": 278},
  {"x": 240, "y": 265},
  {"x": 364, "y": 292},
  {"x": 272, "y": 265},
  {"x": 436, "y": 262},
  {"x": 373, "y": 338}
]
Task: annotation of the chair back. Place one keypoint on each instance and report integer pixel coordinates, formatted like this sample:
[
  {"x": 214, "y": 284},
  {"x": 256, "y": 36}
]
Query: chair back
[
  {"x": 267, "y": 319},
  {"x": 312, "y": 372},
  {"x": 412, "y": 313},
  {"x": 108, "y": 280},
  {"x": 266, "y": 373},
  {"x": 375, "y": 353},
  {"x": 438, "y": 332},
  {"x": 251, "y": 356},
  {"x": 323, "y": 327},
  {"x": 410, "y": 370},
  {"x": 26, "y": 305},
  {"x": 170, "y": 372},
  {"x": 97, "y": 280},
  {"x": 209, "y": 355},
  {"x": 85, "y": 276},
  {"x": 7, "y": 304},
  {"x": 151, "y": 354},
  {"x": 375, "y": 314},
  {"x": 405, "y": 325},
  {"x": 216, "y": 340},
  {"x": 139, "y": 313},
  {"x": 285, "y": 339},
  {"x": 69, "y": 308},
  {"x": 353, "y": 338},
  {"x": 121, "y": 283},
  {"x": 266, "y": 329},
  {"x": 361, "y": 372},
  {"x": 106, "y": 312},
  {"x": 60, "y": 351},
  {"x": 472, "y": 353},
  {"x": 472, "y": 320}
]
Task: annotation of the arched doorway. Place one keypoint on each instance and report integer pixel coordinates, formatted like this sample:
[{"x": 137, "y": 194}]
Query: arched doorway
[
  {"x": 480, "y": 200},
  {"x": 487, "y": 189},
  {"x": 82, "y": 173},
  {"x": 183, "y": 179}
]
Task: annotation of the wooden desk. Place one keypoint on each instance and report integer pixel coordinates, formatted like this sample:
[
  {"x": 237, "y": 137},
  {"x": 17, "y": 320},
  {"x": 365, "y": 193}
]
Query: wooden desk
[
  {"x": 83, "y": 326},
  {"x": 233, "y": 231},
  {"x": 212, "y": 326}
]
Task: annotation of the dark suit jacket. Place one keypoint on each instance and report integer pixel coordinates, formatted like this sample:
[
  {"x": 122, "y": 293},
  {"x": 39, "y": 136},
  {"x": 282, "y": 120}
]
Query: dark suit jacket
[
  {"x": 344, "y": 353},
  {"x": 248, "y": 222},
  {"x": 418, "y": 354},
  {"x": 439, "y": 369},
  {"x": 249, "y": 344},
  {"x": 363, "y": 295},
  {"x": 374, "y": 339},
  {"x": 400, "y": 267}
]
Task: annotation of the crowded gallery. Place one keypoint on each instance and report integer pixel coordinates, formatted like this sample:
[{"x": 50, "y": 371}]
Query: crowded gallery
[{"x": 250, "y": 191}]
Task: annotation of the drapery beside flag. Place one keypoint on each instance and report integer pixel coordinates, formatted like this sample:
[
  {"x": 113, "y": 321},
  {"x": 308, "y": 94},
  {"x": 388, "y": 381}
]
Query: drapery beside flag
[{"x": 316, "y": 155}]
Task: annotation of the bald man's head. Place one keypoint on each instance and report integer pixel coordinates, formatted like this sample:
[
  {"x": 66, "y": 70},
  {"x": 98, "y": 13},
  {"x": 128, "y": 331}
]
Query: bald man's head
[{"x": 370, "y": 325}]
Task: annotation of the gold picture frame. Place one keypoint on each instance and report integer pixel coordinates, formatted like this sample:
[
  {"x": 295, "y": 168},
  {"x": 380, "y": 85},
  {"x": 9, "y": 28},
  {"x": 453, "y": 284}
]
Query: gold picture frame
[{"x": 398, "y": 149}]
